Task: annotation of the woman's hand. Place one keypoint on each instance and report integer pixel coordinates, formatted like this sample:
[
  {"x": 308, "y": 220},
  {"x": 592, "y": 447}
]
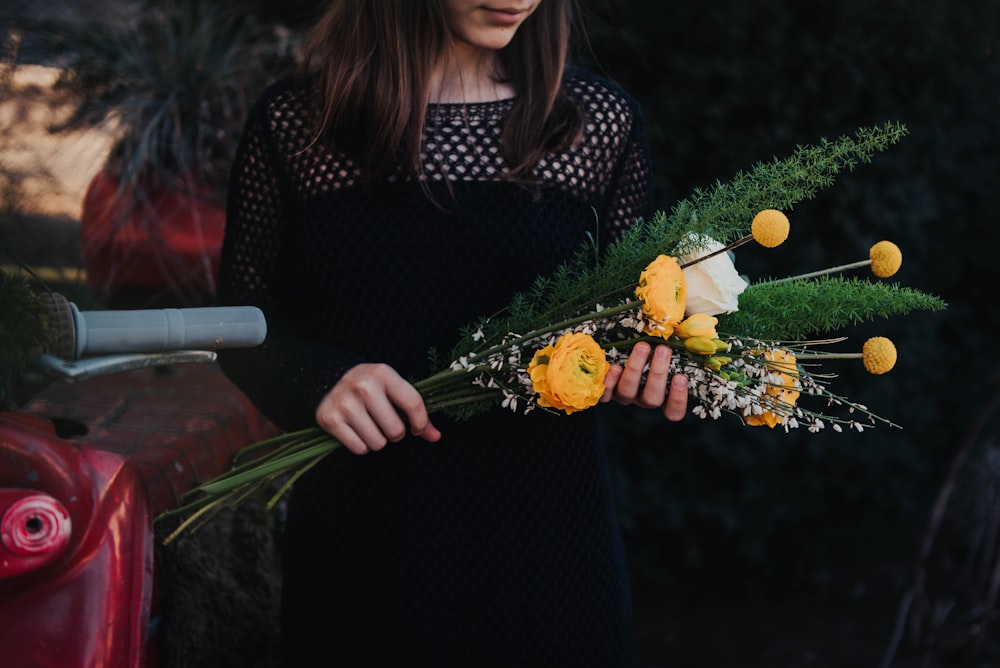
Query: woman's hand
[
  {"x": 625, "y": 386},
  {"x": 370, "y": 407}
]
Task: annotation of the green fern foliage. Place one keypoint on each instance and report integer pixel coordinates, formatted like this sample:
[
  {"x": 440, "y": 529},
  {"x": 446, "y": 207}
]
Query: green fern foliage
[{"x": 796, "y": 310}]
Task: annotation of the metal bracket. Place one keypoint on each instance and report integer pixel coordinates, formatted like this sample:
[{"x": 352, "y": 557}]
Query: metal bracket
[{"x": 108, "y": 364}]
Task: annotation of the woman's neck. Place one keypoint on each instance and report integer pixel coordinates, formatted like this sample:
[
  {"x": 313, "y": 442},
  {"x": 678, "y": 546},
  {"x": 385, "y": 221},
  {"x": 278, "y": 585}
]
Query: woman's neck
[{"x": 467, "y": 74}]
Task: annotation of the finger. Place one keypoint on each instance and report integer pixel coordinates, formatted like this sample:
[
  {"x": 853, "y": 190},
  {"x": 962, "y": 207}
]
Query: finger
[
  {"x": 341, "y": 431},
  {"x": 675, "y": 407},
  {"x": 610, "y": 381},
  {"x": 367, "y": 429},
  {"x": 628, "y": 385},
  {"x": 370, "y": 420},
  {"x": 429, "y": 433},
  {"x": 386, "y": 421},
  {"x": 354, "y": 443},
  {"x": 411, "y": 404},
  {"x": 329, "y": 421},
  {"x": 655, "y": 389}
]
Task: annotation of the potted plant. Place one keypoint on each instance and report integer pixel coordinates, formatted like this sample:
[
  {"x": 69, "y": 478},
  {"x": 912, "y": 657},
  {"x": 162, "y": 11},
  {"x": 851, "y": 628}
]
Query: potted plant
[{"x": 176, "y": 84}]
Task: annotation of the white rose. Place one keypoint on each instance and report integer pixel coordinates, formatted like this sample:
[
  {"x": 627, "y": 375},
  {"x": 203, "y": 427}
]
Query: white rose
[{"x": 714, "y": 286}]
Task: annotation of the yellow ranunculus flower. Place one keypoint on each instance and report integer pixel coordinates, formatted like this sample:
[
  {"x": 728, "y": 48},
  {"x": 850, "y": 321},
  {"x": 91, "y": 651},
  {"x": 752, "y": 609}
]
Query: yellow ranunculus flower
[
  {"x": 663, "y": 291},
  {"x": 569, "y": 375},
  {"x": 538, "y": 370},
  {"x": 783, "y": 363},
  {"x": 698, "y": 324}
]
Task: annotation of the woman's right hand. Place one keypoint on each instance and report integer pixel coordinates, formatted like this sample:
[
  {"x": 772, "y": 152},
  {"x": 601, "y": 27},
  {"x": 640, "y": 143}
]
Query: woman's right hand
[{"x": 371, "y": 406}]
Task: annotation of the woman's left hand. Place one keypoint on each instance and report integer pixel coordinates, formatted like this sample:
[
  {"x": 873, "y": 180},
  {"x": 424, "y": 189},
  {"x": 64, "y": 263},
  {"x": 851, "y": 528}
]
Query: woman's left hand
[{"x": 624, "y": 384}]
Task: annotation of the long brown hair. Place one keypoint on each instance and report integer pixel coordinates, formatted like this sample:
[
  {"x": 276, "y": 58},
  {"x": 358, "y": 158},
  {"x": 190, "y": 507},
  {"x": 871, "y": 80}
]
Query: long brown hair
[{"x": 373, "y": 61}]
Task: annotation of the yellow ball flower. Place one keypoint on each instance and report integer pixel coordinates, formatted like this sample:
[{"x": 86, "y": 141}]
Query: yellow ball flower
[
  {"x": 569, "y": 376},
  {"x": 698, "y": 324},
  {"x": 878, "y": 355},
  {"x": 886, "y": 259},
  {"x": 663, "y": 292},
  {"x": 770, "y": 228}
]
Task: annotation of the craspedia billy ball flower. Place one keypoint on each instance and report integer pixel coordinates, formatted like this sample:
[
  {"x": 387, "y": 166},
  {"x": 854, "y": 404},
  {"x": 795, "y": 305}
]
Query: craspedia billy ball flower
[
  {"x": 770, "y": 228},
  {"x": 886, "y": 259},
  {"x": 878, "y": 355}
]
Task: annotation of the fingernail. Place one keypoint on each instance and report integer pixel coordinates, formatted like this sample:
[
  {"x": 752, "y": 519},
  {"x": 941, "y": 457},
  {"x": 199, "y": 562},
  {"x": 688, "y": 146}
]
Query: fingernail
[{"x": 661, "y": 353}]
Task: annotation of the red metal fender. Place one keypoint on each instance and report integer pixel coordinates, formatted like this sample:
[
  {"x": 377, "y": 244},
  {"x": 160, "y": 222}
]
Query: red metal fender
[
  {"x": 78, "y": 577},
  {"x": 96, "y": 612}
]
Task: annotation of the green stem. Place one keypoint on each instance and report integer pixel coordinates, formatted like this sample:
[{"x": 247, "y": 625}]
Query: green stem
[
  {"x": 276, "y": 441},
  {"x": 829, "y": 356},
  {"x": 822, "y": 272},
  {"x": 725, "y": 249},
  {"x": 227, "y": 483}
]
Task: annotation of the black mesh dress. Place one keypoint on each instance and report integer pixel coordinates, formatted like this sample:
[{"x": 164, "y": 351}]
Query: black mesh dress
[{"x": 497, "y": 546}]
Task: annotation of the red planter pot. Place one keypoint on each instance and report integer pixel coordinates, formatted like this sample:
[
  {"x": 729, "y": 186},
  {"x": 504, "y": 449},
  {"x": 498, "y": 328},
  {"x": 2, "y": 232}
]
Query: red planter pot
[{"x": 150, "y": 247}]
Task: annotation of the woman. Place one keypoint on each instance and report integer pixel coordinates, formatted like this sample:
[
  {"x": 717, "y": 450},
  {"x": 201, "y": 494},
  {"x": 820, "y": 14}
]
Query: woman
[{"x": 434, "y": 159}]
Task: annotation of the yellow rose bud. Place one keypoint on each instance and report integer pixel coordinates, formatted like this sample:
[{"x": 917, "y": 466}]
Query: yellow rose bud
[
  {"x": 700, "y": 345},
  {"x": 878, "y": 355},
  {"x": 886, "y": 259},
  {"x": 770, "y": 228},
  {"x": 714, "y": 363},
  {"x": 698, "y": 324}
]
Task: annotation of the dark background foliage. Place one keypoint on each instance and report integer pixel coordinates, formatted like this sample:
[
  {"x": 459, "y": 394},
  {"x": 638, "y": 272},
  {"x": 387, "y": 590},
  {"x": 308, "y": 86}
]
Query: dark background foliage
[
  {"x": 727, "y": 84},
  {"x": 718, "y": 507}
]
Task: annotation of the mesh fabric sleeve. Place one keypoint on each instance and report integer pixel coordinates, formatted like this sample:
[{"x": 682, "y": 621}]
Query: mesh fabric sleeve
[
  {"x": 287, "y": 375},
  {"x": 631, "y": 194}
]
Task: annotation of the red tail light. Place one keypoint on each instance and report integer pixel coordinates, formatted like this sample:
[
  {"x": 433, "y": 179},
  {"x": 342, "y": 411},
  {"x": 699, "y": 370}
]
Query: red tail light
[{"x": 34, "y": 530}]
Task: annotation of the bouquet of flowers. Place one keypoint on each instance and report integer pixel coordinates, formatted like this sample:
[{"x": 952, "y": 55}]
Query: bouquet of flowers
[{"x": 747, "y": 347}]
